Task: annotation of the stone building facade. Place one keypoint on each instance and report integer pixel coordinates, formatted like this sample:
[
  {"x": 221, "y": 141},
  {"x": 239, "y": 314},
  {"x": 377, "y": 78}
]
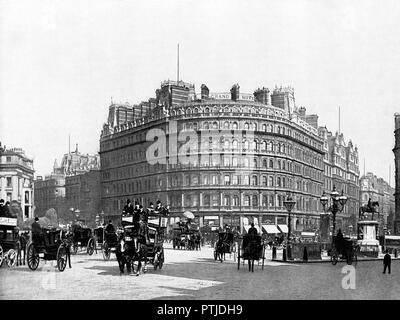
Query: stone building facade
[
  {"x": 247, "y": 156},
  {"x": 50, "y": 191},
  {"x": 16, "y": 179},
  {"x": 396, "y": 151},
  {"x": 377, "y": 189}
]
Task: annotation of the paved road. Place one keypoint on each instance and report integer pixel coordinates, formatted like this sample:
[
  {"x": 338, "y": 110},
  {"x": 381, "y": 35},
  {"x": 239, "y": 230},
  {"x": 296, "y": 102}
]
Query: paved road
[{"x": 195, "y": 275}]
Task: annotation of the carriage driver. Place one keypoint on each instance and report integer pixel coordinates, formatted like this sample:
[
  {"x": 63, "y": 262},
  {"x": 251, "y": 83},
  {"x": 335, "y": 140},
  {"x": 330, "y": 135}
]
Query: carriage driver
[
  {"x": 36, "y": 231},
  {"x": 253, "y": 230},
  {"x": 128, "y": 209}
]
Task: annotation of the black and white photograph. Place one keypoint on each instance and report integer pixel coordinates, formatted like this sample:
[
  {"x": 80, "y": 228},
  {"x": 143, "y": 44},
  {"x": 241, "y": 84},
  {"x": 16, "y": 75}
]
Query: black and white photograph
[{"x": 199, "y": 152}]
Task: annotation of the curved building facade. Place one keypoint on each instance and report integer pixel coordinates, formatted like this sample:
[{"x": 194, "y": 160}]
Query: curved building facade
[{"x": 229, "y": 161}]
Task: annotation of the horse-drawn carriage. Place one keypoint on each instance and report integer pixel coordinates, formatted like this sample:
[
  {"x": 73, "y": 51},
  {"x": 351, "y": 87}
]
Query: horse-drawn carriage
[
  {"x": 157, "y": 225},
  {"x": 225, "y": 244},
  {"x": 344, "y": 249},
  {"x": 9, "y": 241},
  {"x": 110, "y": 242},
  {"x": 251, "y": 248},
  {"x": 51, "y": 244},
  {"x": 186, "y": 237},
  {"x": 98, "y": 235},
  {"x": 82, "y": 238}
]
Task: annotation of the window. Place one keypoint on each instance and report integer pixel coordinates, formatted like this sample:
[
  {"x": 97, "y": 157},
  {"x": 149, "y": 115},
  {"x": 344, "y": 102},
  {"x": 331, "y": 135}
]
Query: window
[
  {"x": 8, "y": 159},
  {"x": 271, "y": 181},
  {"x": 226, "y": 162},
  {"x": 206, "y": 200},
  {"x": 205, "y": 180},
  {"x": 235, "y": 201},
  {"x": 247, "y": 201},
  {"x": 235, "y": 180},
  {"x": 264, "y": 201},
  {"x": 271, "y": 163},
  {"x": 226, "y": 125},
  {"x": 246, "y": 126},
  {"x": 227, "y": 180},
  {"x": 254, "y": 181},
  {"x": 265, "y": 181},
  {"x": 235, "y": 126},
  {"x": 214, "y": 179},
  {"x": 254, "y": 201},
  {"x": 246, "y": 180},
  {"x": 227, "y": 201},
  {"x": 215, "y": 200}
]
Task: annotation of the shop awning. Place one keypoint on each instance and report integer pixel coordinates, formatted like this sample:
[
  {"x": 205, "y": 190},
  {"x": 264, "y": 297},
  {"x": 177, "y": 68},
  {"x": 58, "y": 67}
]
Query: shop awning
[
  {"x": 270, "y": 228},
  {"x": 283, "y": 227},
  {"x": 247, "y": 227}
]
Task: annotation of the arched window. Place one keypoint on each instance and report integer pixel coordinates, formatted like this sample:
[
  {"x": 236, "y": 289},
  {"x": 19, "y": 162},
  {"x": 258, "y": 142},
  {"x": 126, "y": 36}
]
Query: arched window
[
  {"x": 235, "y": 144},
  {"x": 264, "y": 201},
  {"x": 206, "y": 200},
  {"x": 227, "y": 200},
  {"x": 246, "y": 126},
  {"x": 255, "y": 163},
  {"x": 206, "y": 125},
  {"x": 271, "y": 181},
  {"x": 226, "y": 144},
  {"x": 236, "y": 201},
  {"x": 271, "y": 163},
  {"x": 264, "y": 127},
  {"x": 254, "y": 180},
  {"x": 254, "y": 201},
  {"x": 235, "y": 126},
  {"x": 246, "y": 162},
  {"x": 188, "y": 111},
  {"x": 278, "y": 182},
  {"x": 215, "y": 125},
  {"x": 245, "y": 145},
  {"x": 247, "y": 201},
  {"x": 270, "y": 146},
  {"x": 207, "y": 111},
  {"x": 265, "y": 164},
  {"x": 265, "y": 182},
  {"x": 254, "y": 145},
  {"x": 196, "y": 111},
  {"x": 226, "y": 125}
]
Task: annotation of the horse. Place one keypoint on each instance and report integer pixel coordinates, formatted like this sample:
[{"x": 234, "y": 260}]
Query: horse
[
  {"x": 371, "y": 207},
  {"x": 251, "y": 252},
  {"x": 22, "y": 244}
]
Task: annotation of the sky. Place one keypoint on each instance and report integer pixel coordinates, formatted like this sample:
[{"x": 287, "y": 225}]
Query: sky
[{"x": 61, "y": 62}]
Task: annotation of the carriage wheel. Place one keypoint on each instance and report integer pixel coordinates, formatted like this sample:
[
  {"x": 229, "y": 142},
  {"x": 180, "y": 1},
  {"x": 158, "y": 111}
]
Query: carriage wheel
[
  {"x": 155, "y": 261},
  {"x": 32, "y": 257},
  {"x": 1, "y": 256},
  {"x": 61, "y": 257},
  {"x": 106, "y": 251},
  {"x": 11, "y": 258},
  {"x": 238, "y": 256},
  {"x": 334, "y": 256},
  {"x": 90, "y": 247}
]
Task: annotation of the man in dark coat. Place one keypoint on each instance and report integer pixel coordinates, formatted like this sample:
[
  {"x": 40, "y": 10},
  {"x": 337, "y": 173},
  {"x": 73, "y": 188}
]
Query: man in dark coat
[
  {"x": 387, "y": 260},
  {"x": 128, "y": 209},
  {"x": 252, "y": 230},
  {"x": 36, "y": 231},
  {"x": 2, "y": 209}
]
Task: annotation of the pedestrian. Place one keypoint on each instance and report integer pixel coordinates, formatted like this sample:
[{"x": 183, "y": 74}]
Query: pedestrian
[
  {"x": 252, "y": 230},
  {"x": 128, "y": 209},
  {"x": 387, "y": 260},
  {"x": 36, "y": 231}
]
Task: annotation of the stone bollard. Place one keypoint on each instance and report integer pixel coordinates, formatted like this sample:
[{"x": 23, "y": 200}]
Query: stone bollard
[
  {"x": 305, "y": 255},
  {"x": 273, "y": 253},
  {"x": 284, "y": 255}
]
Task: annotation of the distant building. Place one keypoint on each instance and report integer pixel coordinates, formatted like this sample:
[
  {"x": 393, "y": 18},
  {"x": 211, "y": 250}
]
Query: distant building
[
  {"x": 50, "y": 192},
  {"x": 16, "y": 179},
  {"x": 341, "y": 170},
  {"x": 377, "y": 189},
  {"x": 396, "y": 151},
  {"x": 83, "y": 195}
]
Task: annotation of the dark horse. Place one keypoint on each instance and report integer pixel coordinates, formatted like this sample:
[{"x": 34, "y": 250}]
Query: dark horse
[
  {"x": 251, "y": 251},
  {"x": 22, "y": 242},
  {"x": 132, "y": 247}
]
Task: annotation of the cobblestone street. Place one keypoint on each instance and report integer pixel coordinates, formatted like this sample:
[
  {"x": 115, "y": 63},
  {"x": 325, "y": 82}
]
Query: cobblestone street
[{"x": 195, "y": 275}]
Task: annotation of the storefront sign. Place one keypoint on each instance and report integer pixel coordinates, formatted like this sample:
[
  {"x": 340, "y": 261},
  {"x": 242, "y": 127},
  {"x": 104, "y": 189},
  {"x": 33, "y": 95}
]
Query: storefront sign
[{"x": 8, "y": 221}]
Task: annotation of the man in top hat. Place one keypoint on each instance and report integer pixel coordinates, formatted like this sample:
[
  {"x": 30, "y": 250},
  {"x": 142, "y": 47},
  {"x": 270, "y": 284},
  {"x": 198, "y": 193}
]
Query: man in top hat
[
  {"x": 128, "y": 209},
  {"x": 2, "y": 209}
]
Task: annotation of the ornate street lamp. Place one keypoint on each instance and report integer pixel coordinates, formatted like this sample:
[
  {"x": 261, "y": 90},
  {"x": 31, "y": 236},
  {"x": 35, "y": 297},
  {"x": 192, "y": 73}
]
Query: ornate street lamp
[
  {"x": 289, "y": 204},
  {"x": 337, "y": 205}
]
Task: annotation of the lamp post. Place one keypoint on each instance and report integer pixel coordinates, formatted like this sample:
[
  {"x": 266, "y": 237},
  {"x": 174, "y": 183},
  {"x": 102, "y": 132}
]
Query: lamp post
[
  {"x": 289, "y": 204},
  {"x": 337, "y": 205}
]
